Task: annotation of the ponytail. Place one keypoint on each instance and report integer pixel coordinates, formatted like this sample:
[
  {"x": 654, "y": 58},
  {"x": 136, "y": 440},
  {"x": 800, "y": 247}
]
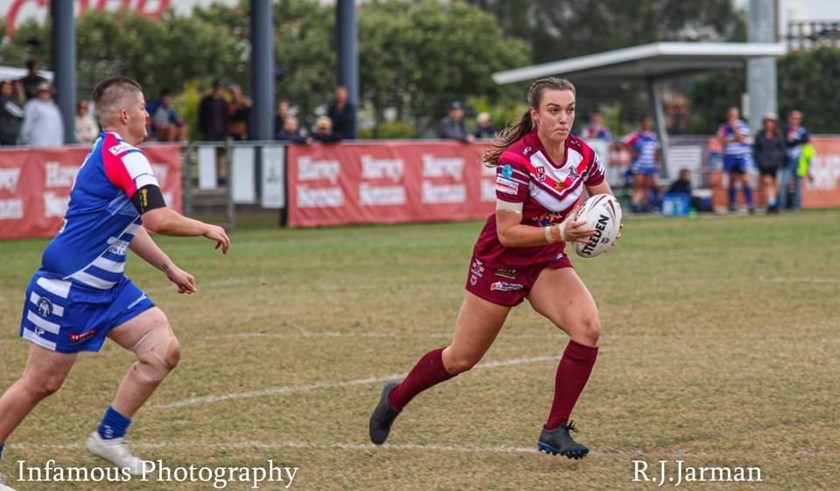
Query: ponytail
[{"x": 507, "y": 137}]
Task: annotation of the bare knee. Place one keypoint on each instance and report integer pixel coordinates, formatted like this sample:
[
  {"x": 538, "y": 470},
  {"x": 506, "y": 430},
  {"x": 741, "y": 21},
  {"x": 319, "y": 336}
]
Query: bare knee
[
  {"x": 587, "y": 331},
  {"x": 42, "y": 387},
  {"x": 455, "y": 361},
  {"x": 158, "y": 353}
]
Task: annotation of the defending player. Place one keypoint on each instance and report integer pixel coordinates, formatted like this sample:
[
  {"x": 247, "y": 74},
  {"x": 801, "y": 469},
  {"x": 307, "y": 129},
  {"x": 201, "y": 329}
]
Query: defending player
[
  {"x": 541, "y": 172},
  {"x": 80, "y": 294}
]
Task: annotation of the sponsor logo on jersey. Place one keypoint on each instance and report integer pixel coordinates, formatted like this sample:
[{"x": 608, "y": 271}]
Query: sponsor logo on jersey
[
  {"x": 573, "y": 172},
  {"x": 507, "y": 171},
  {"x": 118, "y": 149},
  {"x": 81, "y": 337},
  {"x": 509, "y": 273},
  {"x": 45, "y": 308},
  {"x": 504, "y": 286},
  {"x": 546, "y": 219},
  {"x": 473, "y": 280},
  {"x": 507, "y": 186}
]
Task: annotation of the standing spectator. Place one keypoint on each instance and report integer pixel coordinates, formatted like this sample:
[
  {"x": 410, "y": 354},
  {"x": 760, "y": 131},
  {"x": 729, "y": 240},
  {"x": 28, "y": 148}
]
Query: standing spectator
[
  {"x": 596, "y": 130},
  {"x": 165, "y": 125},
  {"x": 343, "y": 115},
  {"x": 86, "y": 129},
  {"x": 31, "y": 81},
  {"x": 324, "y": 131},
  {"x": 769, "y": 154},
  {"x": 281, "y": 115},
  {"x": 795, "y": 137},
  {"x": 484, "y": 127},
  {"x": 11, "y": 114},
  {"x": 42, "y": 124},
  {"x": 239, "y": 110},
  {"x": 646, "y": 151},
  {"x": 452, "y": 126},
  {"x": 213, "y": 114},
  {"x": 734, "y": 136},
  {"x": 290, "y": 132}
]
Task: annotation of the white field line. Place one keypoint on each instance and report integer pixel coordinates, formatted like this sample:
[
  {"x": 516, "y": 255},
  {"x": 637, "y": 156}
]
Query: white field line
[
  {"x": 292, "y": 389},
  {"x": 782, "y": 279},
  {"x": 501, "y": 449}
]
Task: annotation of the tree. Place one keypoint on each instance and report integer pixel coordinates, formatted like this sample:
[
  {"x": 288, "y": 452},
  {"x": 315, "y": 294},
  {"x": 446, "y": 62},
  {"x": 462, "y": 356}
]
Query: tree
[{"x": 558, "y": 30}]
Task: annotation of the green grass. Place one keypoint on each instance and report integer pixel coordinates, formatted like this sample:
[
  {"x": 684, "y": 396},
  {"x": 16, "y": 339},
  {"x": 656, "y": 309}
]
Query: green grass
[{"x": 720, "y": 348}]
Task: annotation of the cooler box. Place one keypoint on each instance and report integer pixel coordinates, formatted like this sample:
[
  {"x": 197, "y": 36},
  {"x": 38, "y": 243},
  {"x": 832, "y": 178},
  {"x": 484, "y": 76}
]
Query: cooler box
[{"x": 676, "y": 204}]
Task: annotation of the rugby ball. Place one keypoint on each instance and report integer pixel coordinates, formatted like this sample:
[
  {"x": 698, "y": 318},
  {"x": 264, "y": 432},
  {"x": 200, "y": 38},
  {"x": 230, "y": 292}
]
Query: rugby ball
[{"x": 602, "y": 213}]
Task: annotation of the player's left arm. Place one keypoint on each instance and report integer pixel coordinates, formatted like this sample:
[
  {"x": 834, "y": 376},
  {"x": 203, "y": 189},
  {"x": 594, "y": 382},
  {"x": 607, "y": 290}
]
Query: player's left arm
[
  {"x": 602, "y": 188},
  {"x": 144, "y": 246}
]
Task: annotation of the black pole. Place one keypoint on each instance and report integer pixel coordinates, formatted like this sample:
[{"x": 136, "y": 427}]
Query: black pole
[
  {"x": 261, "y": 124},
  {"x": 348, "y": 52},
  {"x": 64, "y": 63}
]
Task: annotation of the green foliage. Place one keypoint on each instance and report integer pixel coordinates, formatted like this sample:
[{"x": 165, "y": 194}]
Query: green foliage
[
  {"x": 390, "y": 130},
  {"x": 807, "y": 81}
]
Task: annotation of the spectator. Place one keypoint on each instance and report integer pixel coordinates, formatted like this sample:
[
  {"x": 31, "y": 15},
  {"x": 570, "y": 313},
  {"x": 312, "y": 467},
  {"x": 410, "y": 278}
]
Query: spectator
[
  {"x": 803, "y": 170},
  {"x": 213, "y": 114},
  {"x": 86, "y": 129},
  {"x": 165, "y": 125},
  {"x": 343, "y": 115},
  {"x": 484, "y": 127},
  {"x": 734, "y": 136},
  {"x": 769, "y": 154},
  {"x": 290, "y": 132},
  {"x": 596, "y": 130},
  {"x": 239, "y": 110},
  {"x": 11, "y": 114},
  {"x": 646, "y": 153},
  {"x": 452, "y": 126},
  {"x": 324, "y": 131},
  {"x": 42, "y": 123},
  {"x": 682, "y": 185},
  {"x": 796, "y": 136},
  {"x": 281, "y": 115},
  {"x": 31, "y": 81}
]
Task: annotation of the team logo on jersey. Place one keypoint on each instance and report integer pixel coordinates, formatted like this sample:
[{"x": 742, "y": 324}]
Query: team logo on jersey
[
  {"x": 504, "y": 286},
  {"x": 473, "y": 280},
  {"x": 573, "y": 172},
  {"x": 81, "y": 337},
  {"x": 507, "y": 171},
  {"x": 477, "y": 268},
  {"x": 45, "y": 308},
  {"x": 509, "y": 273},
  {"x": 540, "y": 173}
]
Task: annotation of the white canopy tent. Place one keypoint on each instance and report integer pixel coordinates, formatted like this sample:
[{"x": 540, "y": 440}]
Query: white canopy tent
[{"x": 651, "y": 63}]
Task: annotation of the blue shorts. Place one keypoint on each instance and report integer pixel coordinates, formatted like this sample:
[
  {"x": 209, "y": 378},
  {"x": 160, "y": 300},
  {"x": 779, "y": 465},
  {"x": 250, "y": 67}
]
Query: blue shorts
[
  {"x": 644, "y": 169},
  {"x": 738, "y": 164},
  {"x": 63, "y": 316}
]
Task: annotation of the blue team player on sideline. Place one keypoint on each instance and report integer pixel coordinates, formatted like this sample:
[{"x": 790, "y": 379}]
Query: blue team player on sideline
[
  {"x": 646, "y": 150},
  {"x": 80, "y": 295},
  {"x": 734, "y": 136}
]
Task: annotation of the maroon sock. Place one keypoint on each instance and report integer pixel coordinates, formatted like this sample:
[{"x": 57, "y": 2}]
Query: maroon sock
[
  {"x": 572, "y": 374},
  {"x": 428, "y": 371}
]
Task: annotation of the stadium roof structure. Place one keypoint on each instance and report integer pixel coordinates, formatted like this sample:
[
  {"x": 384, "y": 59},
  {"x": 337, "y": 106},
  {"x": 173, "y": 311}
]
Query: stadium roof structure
[
  {"x": 655, "y": 61},
  {"x": 648, "y": 63}
]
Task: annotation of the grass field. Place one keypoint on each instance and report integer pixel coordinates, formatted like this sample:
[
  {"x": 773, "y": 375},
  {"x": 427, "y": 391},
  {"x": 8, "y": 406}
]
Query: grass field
[{"x": 720, "y": 348}]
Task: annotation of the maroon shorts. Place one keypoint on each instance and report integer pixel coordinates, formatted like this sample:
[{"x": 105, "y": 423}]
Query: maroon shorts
[{"x": 507, "y": 286}]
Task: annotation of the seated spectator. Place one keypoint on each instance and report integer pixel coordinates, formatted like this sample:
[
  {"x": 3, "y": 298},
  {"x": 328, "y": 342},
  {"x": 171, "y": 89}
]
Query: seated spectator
[
  {"x": 290, "y": 132},
  {"x": 42, "y": 122},
  {"x": 166, "y": 126},
  {"x": 323, "y": 131},
  {"x": 484, "y": 127},
  {"x": 11, "y": 114},
  {"x": 452, "y": 126},
  {"x": 682, "y": 185},
  {"x": 86, "y": 129}
]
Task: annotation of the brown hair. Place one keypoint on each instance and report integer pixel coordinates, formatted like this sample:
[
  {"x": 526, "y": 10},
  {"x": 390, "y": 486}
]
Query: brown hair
[
  {"x": 109, "y": 96},
  {"x": 517, "y": 130}
]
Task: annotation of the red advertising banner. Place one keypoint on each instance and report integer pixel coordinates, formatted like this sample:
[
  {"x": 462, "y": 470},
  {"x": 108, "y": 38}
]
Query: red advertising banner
[
  {"x": 35, "y": 186},
  {"x": 388, "y": 182},
  {"x": 823, "y": 190}
]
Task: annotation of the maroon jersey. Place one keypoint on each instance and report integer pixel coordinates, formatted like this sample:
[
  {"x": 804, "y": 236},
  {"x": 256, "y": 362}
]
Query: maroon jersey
[{"x": 548, "y": 191}]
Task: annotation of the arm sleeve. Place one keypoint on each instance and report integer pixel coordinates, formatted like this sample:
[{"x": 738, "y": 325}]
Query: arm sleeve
[
  {"x": 129, "y": 171},
  {"x": 595, "y": 172},
  {"x": 512, "y": 181}
]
